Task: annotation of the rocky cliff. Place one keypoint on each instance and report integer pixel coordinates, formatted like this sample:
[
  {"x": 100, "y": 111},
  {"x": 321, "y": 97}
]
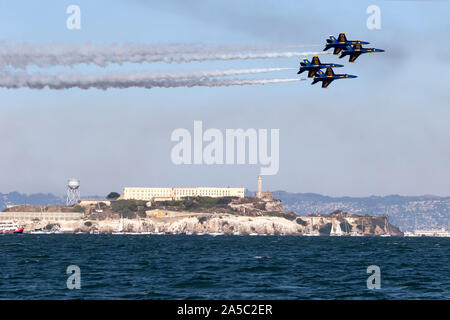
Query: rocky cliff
[{"x": 199, "y": 223}]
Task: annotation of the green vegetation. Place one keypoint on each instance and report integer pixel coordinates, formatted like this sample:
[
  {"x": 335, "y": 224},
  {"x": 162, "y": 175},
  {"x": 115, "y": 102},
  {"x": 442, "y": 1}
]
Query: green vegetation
[
  {"x": 78, "y": 208},
  {"x": 202, "y": 219},
  {"x": 129, "y": 208},
  {"x": 345, "y": 226},
  {"x": 325, "y": 229},
  {"x": 50, "y": 226},
  {"x": 301, "y": 222},
  {"x": 198, "y": 204},
  {"x": 287, "y": 215},
  {"x": 113, "y": 196},
  {"x": 260, "y": 205}
]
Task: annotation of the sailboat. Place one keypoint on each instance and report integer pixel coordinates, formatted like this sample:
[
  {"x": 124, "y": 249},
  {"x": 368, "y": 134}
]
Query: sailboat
[
  {"x": 335, "y": 231},
  {"x": 346, "y": 231},
  {"x": 386, "y": 229},
  {"x": 363, "y": 230}
]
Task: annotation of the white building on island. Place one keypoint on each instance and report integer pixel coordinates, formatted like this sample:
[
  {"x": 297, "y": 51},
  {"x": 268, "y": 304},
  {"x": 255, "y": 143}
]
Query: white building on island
[{"x": 176, "y": 193}]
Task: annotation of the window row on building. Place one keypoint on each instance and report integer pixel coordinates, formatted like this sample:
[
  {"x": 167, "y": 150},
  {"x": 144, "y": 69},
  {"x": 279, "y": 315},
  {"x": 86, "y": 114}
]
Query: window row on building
[{"x": 178, "y": 193}]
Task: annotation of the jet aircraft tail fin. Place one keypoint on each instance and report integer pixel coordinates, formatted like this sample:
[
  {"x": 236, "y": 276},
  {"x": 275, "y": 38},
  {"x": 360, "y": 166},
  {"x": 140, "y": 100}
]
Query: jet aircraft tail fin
[
  {"x": 342, "y": 37},
  {"x": 329, "y": 72},
  {"x": 315, "y": 61}
]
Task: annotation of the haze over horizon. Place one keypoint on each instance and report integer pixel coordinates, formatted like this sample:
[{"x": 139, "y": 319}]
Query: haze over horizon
[
  {"x": 87, "y": 196},
  {"x": 384, "y": 133}
]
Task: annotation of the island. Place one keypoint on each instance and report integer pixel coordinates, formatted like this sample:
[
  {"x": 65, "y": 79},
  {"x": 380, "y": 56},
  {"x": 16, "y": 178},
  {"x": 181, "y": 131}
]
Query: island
[{"x": 194, "y": 215}]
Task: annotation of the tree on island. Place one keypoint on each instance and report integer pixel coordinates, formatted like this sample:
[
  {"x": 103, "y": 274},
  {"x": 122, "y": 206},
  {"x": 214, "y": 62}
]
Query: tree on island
[{"x": 113, "y": 196}]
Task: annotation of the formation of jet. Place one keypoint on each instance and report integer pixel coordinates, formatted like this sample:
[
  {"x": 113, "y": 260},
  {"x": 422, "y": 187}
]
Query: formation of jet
[
  {"x": 355, "y": 51},
  {"x": 329, "y": 76},
  {"x": 341, "y": 43},
  {"x": 315, "y": 65},
  {"x": 351, "y": 48}
]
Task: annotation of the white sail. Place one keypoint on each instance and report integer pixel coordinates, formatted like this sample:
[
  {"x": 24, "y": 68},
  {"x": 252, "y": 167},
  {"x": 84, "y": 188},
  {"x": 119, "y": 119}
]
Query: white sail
[
  {"x": 338, "y": 229},
  {"x": 120, "y": 225},
  {"x": 335, "y": 230}
]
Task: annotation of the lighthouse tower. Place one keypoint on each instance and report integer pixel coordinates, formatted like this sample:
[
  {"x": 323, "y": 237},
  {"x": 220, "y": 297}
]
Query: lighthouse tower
[{"x": 259, "y": 192}]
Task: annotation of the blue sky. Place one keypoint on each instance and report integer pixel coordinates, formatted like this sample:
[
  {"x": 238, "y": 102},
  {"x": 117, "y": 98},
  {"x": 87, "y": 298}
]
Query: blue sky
[{"x": 385, "y": 132}]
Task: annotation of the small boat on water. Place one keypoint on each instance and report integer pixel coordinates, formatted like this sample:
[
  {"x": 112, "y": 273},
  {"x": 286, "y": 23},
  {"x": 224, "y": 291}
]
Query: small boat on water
[
  {"x": 336, "y": 231},
  {"x": 386, "y": 228},
  {"x": 10, "y": 227},
  {"x": 215, "y": 234},
  {"x": 38, "y": 231}
]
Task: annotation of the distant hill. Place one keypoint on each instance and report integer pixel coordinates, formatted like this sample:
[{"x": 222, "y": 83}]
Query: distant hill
[
  {"x": 406, "y": 212},
  {"x": 38, "y": 199},
  {"x": 35, "y": 199}
]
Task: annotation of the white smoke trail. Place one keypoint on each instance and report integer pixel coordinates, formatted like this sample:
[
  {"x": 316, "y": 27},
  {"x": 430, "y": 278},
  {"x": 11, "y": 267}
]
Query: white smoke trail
[
  {"x": 200, "y": 74},
  {"x": 66, "y": 81},
  {"x": 21, "y": 56}
]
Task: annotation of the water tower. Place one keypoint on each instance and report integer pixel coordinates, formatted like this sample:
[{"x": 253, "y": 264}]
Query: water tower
[{"x": 73, "y": 192}]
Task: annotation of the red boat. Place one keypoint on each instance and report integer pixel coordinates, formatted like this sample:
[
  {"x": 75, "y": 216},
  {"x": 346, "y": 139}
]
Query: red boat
[{"x": 10, "y": 227}]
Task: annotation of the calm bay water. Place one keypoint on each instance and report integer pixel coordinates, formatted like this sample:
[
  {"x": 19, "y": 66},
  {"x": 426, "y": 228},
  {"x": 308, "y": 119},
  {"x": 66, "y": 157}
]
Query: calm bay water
[{"x": 222, "y": 267}]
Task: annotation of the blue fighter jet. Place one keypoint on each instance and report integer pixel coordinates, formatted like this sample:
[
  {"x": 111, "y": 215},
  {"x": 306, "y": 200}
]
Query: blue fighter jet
[
  {"x": 315, "y": 65},
  {"x": 341, "y": 43},
  {"x": 329, "y": 76},
  {"x": 356, "y": 50}
]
